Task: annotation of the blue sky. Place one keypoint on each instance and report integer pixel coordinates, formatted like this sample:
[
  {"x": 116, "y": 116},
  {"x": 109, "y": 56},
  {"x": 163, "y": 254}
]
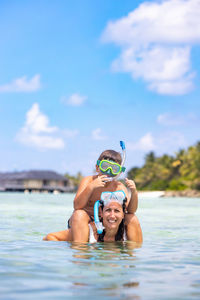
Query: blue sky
[{"x": 76, "y": 77}]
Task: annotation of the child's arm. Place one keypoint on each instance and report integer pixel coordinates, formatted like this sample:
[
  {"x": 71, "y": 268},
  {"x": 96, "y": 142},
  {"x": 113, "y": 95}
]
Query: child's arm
[
  {"x": 87, "y": 185},
  {"x": 133, "y": 203}
]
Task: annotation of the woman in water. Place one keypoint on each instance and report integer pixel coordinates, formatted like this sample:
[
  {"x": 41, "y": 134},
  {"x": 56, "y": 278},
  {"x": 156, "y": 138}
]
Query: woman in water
[{"x": 113, "y": 220}]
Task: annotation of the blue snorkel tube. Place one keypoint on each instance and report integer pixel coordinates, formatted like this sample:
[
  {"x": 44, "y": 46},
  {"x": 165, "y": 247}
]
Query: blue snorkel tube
[
  {"x": 122, "y": 144},
  {"x": 99, "y": 224}
]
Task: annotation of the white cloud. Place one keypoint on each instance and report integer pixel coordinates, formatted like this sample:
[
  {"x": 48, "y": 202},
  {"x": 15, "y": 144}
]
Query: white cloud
[
  {"x": 169, "y": 119},
  {"x": 166, "y": 142},
  {"x": 37, "y": 122},
  {"x": 145, "y": 143},
  {"x": 22, "y": 85},
  {"x": 74, "y": 100},
  {"x": 37, "y": 132},
  {"x": 97, "y": 134},
  {"x": 156, "y": 40},
  {"x": 40, "y": 141},
  {"x": 176, "y": 87}
]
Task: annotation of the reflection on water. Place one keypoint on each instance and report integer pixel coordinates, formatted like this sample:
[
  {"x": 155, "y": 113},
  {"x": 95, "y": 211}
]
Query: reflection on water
[
  {"x": 115, "y": 255},
  {"x": 166, "y": 266},
  {"x": 106, "y": 267},
  {"x": 105, "y": 251},
  {"x": 107, "y": 259}
]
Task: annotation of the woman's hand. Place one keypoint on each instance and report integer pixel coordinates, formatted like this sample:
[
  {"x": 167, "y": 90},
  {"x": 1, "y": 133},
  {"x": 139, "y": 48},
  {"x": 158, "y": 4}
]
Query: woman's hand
[{"x": 130, "y": 184}]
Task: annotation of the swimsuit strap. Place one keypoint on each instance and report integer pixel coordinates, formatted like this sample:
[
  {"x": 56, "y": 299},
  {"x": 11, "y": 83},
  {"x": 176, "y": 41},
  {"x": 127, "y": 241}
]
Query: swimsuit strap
[{"x": 91, "y": 235}]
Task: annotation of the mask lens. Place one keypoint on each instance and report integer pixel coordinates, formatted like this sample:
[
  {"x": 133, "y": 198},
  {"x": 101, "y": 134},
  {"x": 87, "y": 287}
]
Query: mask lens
[
  {"x": 104, "y": 165},
  {"x": 120, "y": 196},
  {"x": 115, "y": 168},
  {"x": 105, "y": 196},
  {"x": 117, "y": 196}
]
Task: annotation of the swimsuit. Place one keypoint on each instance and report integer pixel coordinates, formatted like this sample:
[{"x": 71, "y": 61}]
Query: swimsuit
[{"x": 92, "y": 237}]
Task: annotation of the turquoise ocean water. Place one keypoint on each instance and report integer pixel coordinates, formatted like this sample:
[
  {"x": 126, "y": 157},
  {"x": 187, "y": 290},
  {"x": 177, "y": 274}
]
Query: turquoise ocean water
[{"x": 167, "y": 266}]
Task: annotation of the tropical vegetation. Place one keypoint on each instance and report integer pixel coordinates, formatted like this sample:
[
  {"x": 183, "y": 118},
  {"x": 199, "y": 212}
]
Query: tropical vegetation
[
  {"x": 177, "y": 172},
  {"x": 166, "y": 172},
  {"x": 74, "y": 180}
]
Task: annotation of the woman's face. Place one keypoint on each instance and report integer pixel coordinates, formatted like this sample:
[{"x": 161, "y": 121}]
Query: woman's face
[{"x": 112, "y": 215}]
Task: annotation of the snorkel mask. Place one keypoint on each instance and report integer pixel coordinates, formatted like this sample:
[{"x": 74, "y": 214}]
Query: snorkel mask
[
  {"x": 111, "y": 168},
  {"x": 106, "y": 198}
]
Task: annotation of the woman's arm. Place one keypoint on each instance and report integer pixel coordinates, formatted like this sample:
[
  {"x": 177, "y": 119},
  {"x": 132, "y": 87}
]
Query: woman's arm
[{"x": 64, "y": 235}]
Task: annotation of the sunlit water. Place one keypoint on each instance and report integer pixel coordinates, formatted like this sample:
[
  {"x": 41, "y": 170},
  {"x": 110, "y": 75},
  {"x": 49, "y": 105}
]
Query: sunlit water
[{"x": 167, "y": 266}]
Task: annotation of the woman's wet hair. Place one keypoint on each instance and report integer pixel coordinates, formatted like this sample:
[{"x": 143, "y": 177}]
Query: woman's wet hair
[
  {"x": 120, "y": 233},
  {"x": 111, "y": 155}
]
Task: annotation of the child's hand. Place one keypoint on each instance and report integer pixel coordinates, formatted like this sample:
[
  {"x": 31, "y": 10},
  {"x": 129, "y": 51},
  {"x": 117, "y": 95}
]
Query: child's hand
[
  {"x": 130, "y": 184},
  {"x": 100, "y": 181}
]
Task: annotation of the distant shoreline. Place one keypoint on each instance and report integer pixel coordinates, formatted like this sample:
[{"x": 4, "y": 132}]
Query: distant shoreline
[
  {"x": 185, "y": 193},
  {"x": 147, "y": 194},
  {"x": 142, "y": 194}
]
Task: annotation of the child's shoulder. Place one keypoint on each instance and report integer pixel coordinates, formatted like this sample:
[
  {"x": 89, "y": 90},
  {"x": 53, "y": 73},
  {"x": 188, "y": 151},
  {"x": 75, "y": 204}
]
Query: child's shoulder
[
  {"x": 116, "y": 185},
  {"x": 89, "y": 178},
  {"x": 120, "y": 184}
]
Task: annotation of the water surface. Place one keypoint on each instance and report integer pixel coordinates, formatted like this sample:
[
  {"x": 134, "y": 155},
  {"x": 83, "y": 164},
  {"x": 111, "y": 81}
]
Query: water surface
[{"x": 167, "y": 266}]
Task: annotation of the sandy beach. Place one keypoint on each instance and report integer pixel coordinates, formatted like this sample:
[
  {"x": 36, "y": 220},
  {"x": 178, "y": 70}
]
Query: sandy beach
[
  {"x": 157, "y": 194},
  {"x": 151, "y": 194}
]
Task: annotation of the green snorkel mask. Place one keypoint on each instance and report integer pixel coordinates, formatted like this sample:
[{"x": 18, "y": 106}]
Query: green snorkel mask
[{"x": 111, "y": 168}]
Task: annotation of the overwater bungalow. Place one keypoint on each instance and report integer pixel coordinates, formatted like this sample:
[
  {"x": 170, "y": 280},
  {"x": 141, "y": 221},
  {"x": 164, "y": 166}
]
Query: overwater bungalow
[{"x": 34, "y": 181}]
